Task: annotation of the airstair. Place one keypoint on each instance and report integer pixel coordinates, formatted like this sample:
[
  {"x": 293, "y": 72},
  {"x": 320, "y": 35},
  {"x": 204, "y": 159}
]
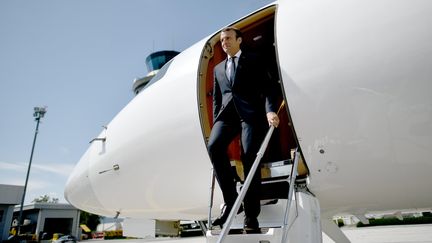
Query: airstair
[{"x": 290, "y": 214}]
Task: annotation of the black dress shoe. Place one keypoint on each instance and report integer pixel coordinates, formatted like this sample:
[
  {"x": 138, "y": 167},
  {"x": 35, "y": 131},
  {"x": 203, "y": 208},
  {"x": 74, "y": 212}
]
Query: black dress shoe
[
  {"x": 224, "y": 215},
  {"x": 235, "y": 232},
  {"x": 220, "y": 221},
  {"x": 251, "y": 225}
]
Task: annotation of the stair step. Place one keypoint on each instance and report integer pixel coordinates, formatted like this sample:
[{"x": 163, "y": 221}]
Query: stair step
[
  {"x": 267, "y": 235},
  {"x": 239, "y": 231}
]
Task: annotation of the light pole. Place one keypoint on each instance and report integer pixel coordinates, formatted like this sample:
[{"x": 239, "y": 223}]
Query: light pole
[{"x": 39, "y": 112}]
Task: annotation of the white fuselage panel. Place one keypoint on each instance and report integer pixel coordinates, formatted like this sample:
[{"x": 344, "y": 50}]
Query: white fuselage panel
[{"x": 358, "y": 78}]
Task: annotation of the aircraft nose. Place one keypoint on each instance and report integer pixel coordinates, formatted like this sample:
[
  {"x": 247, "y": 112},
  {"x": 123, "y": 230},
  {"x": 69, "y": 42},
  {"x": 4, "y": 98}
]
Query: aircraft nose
[{"x": 79, "y": 191}]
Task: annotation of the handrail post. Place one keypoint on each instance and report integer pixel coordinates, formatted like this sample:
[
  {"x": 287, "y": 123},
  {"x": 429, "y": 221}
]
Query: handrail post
[
  {"x": 246, "y": 184},
  {"x": 290, "y": 195},
  {"x": 212, "y": 185}
]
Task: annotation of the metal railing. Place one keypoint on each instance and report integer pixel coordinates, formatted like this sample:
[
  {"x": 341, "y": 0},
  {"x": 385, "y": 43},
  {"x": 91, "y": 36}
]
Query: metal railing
[
  {"x": 246, "y": 185},
  {"x": 293, "y": 177}
]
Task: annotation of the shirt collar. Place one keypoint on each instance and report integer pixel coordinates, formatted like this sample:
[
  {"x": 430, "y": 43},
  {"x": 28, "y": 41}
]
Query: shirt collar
[{"x": 237, "y": 55}]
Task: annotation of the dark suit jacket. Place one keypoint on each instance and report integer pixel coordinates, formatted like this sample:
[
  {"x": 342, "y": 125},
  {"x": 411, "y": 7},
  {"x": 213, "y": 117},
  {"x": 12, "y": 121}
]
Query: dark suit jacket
[{"x": 253, "y": 92}]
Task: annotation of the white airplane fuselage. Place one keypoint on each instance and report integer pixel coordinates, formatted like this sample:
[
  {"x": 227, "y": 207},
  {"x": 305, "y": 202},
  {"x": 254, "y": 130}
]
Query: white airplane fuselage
[{"x": 357, "y": 80}]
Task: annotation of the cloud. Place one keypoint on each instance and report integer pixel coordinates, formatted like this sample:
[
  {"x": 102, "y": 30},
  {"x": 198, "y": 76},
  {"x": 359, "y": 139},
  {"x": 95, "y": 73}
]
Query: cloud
[
  {"x": 45, "y": 178},
  {"x": 12, "y": 166},
  {"x": 33, "y": 184},
  {"x": 65, "y": 150},
  {"x": 54, "y": 168},
  {"x": 37, "y": 184},
  {"x": 7, "y": 179}
]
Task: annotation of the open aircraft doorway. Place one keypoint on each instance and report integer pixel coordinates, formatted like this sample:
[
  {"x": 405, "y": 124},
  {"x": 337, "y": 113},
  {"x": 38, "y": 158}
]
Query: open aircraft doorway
[{"x": 258, "y": 37}]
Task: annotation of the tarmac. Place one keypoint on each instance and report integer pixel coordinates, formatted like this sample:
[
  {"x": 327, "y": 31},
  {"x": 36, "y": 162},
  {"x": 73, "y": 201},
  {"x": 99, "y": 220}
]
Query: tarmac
[{"x": 376, "y": 234}]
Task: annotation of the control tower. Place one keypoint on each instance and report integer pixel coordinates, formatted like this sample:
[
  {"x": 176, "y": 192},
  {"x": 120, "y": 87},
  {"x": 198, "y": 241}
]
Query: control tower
[{"x": 154, "y": 62}]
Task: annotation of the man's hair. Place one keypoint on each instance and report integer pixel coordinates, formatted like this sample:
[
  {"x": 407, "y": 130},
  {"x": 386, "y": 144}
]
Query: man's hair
[{"x": 237, "y": 31}]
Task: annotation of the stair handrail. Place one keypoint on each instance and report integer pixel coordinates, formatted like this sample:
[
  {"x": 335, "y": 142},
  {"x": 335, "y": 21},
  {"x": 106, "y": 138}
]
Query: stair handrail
[
  {"x": 246, "y": 184},
  {"x": 212, "y": 186},
  {"x": 293, "y": 177}
]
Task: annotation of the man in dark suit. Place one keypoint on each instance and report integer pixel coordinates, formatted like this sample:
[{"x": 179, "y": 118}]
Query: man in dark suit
[{"x": 242, "y": 98}]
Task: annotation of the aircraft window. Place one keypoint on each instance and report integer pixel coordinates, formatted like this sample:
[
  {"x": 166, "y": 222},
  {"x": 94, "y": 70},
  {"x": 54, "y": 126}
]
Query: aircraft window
[{"x": 159, "y": 74}]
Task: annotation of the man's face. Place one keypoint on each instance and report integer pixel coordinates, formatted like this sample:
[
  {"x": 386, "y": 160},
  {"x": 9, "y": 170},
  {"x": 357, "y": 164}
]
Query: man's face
[{"x": 230, "y": 44}]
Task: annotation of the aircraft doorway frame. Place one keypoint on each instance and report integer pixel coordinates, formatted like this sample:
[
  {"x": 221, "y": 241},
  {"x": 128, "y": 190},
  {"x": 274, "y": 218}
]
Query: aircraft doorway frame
[{"x": 258, "y": 36}]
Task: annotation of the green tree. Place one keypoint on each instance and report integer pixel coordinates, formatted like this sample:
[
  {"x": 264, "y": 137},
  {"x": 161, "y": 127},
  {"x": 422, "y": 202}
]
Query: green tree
[
  {"x": 45, "y": 199},
  {"x": 91, "y": 220}
]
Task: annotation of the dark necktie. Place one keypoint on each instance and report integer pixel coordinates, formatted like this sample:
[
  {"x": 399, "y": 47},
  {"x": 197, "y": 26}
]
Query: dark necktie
[{"x": 231, "y": 69}]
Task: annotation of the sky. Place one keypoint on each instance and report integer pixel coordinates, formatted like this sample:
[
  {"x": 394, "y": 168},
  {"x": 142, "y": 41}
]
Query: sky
[{"x": 79, "y": 59}]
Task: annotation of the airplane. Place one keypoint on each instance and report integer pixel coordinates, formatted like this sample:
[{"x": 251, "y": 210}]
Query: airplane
[{"x": 356, "y": 78}]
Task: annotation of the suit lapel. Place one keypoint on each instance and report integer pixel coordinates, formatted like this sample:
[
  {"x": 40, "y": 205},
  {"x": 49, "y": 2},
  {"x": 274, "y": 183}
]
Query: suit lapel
[{"x": 225, "y": 72}]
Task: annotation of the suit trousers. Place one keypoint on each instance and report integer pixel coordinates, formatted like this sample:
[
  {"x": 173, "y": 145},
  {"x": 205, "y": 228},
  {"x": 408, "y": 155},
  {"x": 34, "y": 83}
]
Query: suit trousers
[{"x": 226, "y": 128}]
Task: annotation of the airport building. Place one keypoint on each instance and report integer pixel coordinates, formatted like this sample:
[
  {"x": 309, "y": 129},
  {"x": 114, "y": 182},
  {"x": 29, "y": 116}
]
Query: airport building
[
  {"x": 10, "y": 195},
  {"x": 48, "y": 219}
]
